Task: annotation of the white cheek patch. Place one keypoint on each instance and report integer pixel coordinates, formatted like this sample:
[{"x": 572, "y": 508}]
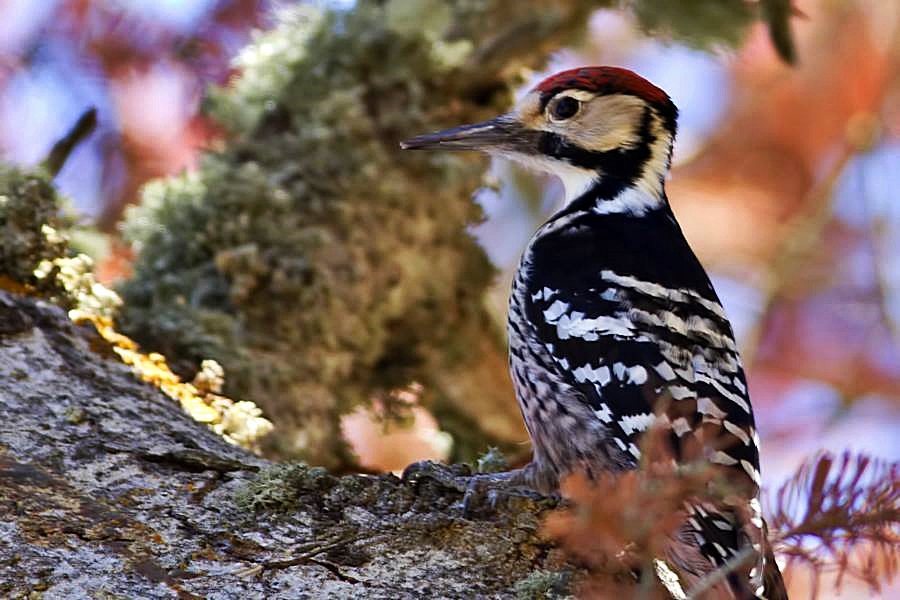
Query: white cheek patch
[
  {"x": 606, "y": 123},
  {"x": 575, "y": 181}
]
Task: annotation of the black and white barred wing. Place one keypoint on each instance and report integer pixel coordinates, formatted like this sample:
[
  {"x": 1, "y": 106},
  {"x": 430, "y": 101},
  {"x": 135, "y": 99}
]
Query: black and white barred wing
[{"x": 637, "y": 351}]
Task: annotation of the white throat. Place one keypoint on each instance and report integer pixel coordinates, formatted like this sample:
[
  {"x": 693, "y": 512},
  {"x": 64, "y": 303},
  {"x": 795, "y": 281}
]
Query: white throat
[
  {"x": 575, "y": 181},
  {"x": 645, "y": 195}
]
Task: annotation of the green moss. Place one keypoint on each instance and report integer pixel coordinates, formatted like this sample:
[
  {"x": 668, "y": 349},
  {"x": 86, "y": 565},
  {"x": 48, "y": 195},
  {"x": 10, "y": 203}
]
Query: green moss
[
  {"x": 74, "y": 415},
  {"x": 279, "y": 487},
  {"x": 699, "y": 23},
  {"x": 544, "y": 585},
  {"x": 35, "y": 253}
]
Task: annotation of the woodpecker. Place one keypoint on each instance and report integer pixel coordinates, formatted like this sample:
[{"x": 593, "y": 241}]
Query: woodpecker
[{"x": 613, "y": 323}]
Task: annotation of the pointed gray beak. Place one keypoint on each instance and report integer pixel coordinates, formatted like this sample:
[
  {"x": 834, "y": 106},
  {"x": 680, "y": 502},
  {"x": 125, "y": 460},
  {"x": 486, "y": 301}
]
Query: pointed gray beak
[{"x": 503, "y": 133}]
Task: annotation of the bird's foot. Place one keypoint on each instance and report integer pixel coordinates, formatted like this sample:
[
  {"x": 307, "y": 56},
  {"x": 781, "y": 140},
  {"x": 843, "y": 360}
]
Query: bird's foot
[
  {"x": 489, "y": 491},
  {"x": 486, "y": 492}
]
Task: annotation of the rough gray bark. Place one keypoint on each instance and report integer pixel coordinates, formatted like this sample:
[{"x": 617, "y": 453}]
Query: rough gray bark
[{"x": 108, "y": 490}]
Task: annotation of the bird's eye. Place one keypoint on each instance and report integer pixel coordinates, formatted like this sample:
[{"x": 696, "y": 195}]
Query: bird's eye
[{"x": 564, "y": 108}]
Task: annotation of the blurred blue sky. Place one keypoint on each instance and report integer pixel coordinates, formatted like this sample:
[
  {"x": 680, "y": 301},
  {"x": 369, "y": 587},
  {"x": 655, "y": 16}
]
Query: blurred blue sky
[
  {"x": 45, "y": 100},
  {"x": 50, "y": 81}
]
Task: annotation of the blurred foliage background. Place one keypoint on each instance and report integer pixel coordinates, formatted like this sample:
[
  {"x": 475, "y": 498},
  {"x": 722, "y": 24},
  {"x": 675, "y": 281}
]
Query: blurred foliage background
[{"x": 340, "y": 282}]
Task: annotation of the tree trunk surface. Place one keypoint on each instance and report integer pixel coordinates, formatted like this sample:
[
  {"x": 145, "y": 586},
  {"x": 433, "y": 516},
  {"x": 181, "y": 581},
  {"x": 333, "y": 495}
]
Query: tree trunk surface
[{"x": 107, "y": 489}]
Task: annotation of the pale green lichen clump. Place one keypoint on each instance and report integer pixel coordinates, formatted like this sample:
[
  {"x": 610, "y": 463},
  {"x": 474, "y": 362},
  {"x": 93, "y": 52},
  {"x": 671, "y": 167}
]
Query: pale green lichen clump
[
  {"x": 29, "y": 223},
  {"x": 278, "y": 487},
  {"x": 545, "y": 585},
  {"x": 75, "y": 275}
]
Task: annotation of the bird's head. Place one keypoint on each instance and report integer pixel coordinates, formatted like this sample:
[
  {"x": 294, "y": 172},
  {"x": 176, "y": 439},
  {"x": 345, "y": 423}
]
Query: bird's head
[{"x": 597, "y": 128}]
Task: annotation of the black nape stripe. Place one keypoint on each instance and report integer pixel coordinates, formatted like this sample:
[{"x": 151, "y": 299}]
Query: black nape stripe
[{"x": 619, "y": 169}]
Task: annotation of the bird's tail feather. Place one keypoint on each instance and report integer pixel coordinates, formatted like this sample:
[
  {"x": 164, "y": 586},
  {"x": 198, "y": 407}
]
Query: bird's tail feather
[{"x": 772, "y": 580}]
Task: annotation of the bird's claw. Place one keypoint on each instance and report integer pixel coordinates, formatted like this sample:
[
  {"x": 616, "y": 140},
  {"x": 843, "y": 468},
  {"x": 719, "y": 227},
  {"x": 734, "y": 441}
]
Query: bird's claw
[
  {"x": 492, "y": 490},
  {"x": 481, "y": 492}
]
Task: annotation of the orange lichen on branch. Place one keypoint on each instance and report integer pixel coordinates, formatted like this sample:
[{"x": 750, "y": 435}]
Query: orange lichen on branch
[
  {"x": 240, "y": 423},
  {"x": 70, "y": 282},
  {"x": 36, "y": 259}
]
